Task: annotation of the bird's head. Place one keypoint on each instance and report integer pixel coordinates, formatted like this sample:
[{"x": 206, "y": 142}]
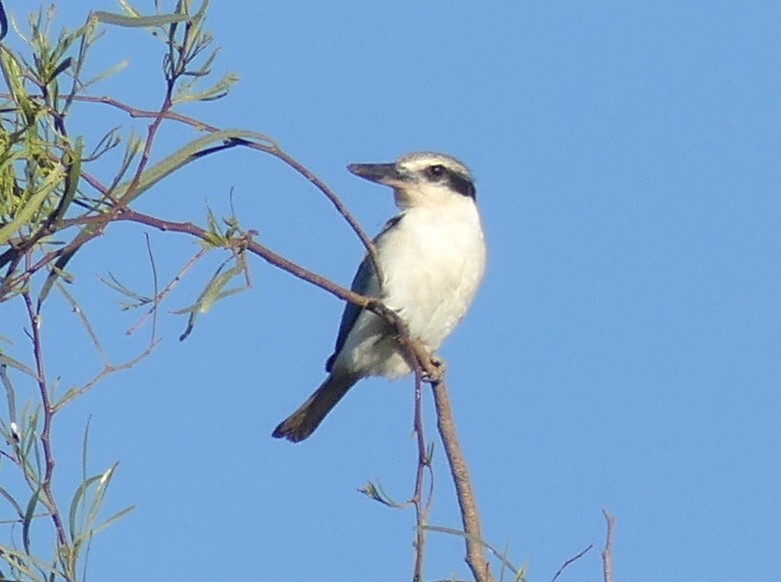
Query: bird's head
[{"x": 422, "y": 179}]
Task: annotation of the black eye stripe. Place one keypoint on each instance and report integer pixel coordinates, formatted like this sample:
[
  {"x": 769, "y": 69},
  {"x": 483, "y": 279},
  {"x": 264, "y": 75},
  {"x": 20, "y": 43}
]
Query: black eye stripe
[
  {"x": 455, "y": 180},
  {"x": 462, "y": 185}
]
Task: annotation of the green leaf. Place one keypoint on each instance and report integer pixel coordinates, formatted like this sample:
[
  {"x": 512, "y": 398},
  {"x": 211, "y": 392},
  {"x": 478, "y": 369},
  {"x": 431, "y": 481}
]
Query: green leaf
[
  {"x": 377, "y": 493},
  {"x": 213, "y": 293},
  {"x": 185, "y": 155},
  {"x": 117, "y": 516},
  {"x": 27, "y": 519},
  {"x": 48, "y": 186},
  {"x": 73, "y": 163},
  {"x": 76, "y": 503},
  {"x": 13, "y": 502},
  {"x": 217, "y": 91},
  {"x": 56, "y": 272},
  {"x": 17, "y": 365},
  {"x": 140, "y": 21}
]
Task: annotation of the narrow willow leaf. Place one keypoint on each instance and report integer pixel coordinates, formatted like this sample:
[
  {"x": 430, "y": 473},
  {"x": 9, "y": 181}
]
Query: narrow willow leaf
[
  {"x": 17, "y": 365},
  {"x": 63, "y": 66},
  {"x": 57, "y": 271},
  {"x": 140, "y": 21},
  {"x": 128, "y": 8},
  {"x": 13, "y": 502},
  {"x": 33, "y": 204},
  {"x": 117, "y": 286},
  {"x": 183, "y": 156},
  {"x": 76, "y": 502},
  {"x": 105, "y": 74},
  {"x": 71, "y": 179},
  {"x": 27, "y": 519},
  {"x": 211, "y": 294},
  {"x": 117, "y": 516},
  {"x": 84, "y": 449},
  {"x": 217, "y": 91},
  {"x": 377, "y": 493}
]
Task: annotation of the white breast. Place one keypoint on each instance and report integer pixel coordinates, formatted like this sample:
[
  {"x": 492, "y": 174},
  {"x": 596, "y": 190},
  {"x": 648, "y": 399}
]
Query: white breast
[
  {"x": 433, "y": 260},
  {"x": 433, "y": 263}
]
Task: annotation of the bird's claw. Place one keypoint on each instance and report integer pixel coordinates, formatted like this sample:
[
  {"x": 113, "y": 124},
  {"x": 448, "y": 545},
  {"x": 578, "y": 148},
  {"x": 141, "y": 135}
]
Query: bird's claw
[{"x": 437, "y": 371}]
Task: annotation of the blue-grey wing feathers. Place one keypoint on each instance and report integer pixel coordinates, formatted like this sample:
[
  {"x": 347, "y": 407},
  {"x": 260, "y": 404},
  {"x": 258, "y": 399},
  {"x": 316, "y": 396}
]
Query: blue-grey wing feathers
[{"x": 365, "y": 282}]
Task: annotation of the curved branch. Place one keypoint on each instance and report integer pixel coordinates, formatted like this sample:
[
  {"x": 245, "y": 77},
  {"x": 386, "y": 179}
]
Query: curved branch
[
  {"x": 425, "y": 362},
  {"x": 263, "y": 143}
]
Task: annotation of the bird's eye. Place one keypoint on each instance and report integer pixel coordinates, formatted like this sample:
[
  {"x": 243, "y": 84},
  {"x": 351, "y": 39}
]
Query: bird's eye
[{"x": 435, "y": 172}]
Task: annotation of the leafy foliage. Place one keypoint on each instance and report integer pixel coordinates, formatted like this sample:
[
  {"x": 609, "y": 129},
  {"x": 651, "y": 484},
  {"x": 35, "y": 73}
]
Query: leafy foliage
[{"x": 51, "y": 206}]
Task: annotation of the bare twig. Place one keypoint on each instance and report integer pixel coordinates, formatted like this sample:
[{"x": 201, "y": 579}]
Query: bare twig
[
  {"x": 48, "y": 414},
  {"x": 263, "y": 252},
  {"x": 158, "y": 298},
  {"x": 417, "y": 498},
  {"x": 108, "y": 367},
  {"x": 607, "y": 553},
  {"x": 156, "y": 295},
  {"x": 574, "y": 558},
  {"x": 475, "y": 558}
]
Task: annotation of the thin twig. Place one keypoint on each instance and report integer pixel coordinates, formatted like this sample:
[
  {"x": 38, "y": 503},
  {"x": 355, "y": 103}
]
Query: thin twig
[
  {"x": 417, "y": 498},
  {"x": 167, "y": 289},
  {"x": 48, "y": 414},
  {"x": 574, "y": 558},
  {"x": 261, "y": 251},
  {"x": 607, "y": 553},
  {"x": 270, "y": 147},
  {"x": 108, "y": 367},
  {"x": 155, "y": 287}
]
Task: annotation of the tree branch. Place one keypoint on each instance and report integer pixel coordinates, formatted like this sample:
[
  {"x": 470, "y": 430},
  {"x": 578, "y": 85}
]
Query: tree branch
[
  {"x": 421, "y": 510},
  {"x": 267, "y": 145},
  {"x": 48, "y": 414},
  {"x": 607, "y": 553},
  {"x": 470, "y": 517},
  {"x": 475, "y": 558},
  {"x": 566, "y": 563}
]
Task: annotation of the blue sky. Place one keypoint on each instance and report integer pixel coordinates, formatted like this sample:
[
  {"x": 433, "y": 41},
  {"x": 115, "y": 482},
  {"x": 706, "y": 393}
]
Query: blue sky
[{"x": 623, "y": 352}]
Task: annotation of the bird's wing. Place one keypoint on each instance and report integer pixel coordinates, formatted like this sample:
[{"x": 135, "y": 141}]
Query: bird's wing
[{"x": 365, "y": 282}]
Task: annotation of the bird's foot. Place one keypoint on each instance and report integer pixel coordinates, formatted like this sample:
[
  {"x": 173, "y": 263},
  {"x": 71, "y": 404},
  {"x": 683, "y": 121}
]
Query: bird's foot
[{"x": 436, "y": 372}]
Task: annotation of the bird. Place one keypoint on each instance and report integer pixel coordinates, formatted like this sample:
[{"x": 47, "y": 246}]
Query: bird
[{"x": 432, "y": 258}]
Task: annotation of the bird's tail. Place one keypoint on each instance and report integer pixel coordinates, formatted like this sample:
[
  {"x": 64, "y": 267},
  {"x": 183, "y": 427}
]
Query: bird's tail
[{"x": 311, "y": 413}]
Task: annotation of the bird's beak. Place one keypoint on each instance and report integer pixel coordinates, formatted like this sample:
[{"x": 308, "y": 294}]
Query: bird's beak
[{"x": 381, "y": 173}]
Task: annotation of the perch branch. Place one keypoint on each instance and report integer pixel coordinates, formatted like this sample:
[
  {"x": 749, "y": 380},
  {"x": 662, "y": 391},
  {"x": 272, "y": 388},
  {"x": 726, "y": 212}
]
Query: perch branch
[{"x": 607, "y": 553}]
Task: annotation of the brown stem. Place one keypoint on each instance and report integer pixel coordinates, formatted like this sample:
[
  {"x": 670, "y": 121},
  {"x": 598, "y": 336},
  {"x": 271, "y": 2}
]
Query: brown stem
[
  {"x": 257, "y": 249},
  {"x": 475, "y": 558},
  {"x": 417, "y": 498},
  {"x": 48, "y": 415},
  {"x": 567, "y": 563}
]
